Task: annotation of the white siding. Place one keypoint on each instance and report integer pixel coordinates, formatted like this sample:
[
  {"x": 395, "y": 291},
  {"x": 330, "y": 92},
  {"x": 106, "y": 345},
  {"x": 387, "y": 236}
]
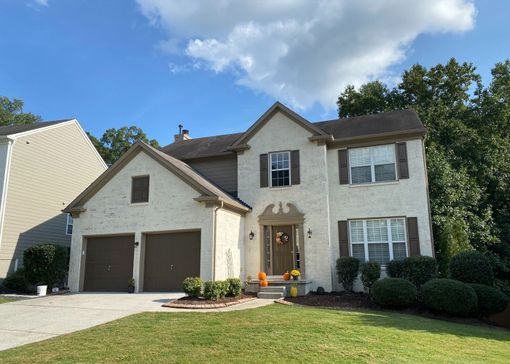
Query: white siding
[{"x": 49, "y": 168}]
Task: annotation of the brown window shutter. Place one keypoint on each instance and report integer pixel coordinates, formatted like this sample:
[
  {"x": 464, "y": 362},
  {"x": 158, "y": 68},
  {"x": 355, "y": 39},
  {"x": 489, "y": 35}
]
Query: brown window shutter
[
  {"x": 294, "y": 165},
  {"x": 343, "y": 166},
  {"x": 413, "y": 237},
  {"x": 342, "y": 238},
  {"x": 402, "y": 166},
  {"x": 264, "y": 176}
]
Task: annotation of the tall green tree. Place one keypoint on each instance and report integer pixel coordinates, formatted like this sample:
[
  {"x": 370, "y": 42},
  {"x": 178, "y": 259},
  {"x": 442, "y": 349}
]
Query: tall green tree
[
  {"x": 467, "y": 147},
  {"x": 116, "y": 142},
  {"x": 11, "y": 113}
]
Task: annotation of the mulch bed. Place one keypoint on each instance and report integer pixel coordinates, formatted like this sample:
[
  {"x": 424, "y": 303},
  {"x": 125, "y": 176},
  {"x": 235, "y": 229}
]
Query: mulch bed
[
  {"x": 361, "y": 301},
  {"x": 202, "y": 303}
]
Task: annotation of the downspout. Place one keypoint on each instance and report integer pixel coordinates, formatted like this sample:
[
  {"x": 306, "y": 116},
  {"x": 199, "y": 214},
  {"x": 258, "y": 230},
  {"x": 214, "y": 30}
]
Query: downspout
[{"x": 214, "y": 240}]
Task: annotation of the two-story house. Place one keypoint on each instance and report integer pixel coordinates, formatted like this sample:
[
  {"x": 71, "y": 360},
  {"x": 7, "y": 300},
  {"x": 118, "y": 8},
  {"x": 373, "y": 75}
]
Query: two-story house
[
  {"x": 286, "y": 193},
  {"x": 43, "y": 166}
]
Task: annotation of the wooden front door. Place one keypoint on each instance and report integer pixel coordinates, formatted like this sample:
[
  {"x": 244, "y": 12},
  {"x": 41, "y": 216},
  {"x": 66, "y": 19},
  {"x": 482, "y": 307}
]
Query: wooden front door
[{"x": 283, "y": 252}]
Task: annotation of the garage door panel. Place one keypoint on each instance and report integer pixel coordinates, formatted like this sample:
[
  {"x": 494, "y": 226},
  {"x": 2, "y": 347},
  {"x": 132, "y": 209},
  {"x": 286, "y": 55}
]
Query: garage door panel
[
  {"x": 109, "y": 263},
  {"x": 169, "y": 258}
]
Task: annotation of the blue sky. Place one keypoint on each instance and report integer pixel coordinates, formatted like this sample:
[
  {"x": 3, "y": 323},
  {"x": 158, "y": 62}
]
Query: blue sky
[{"x": 117, "y": 62}]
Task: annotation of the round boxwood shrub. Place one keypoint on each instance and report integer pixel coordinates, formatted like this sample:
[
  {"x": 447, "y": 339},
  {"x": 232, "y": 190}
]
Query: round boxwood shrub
[
  {"x": 192, "y": 286},
  {"x": 215, "y": 290},
  {"x": 347, "y": 269},
  {"x": 449, "y": 296},
  {"x": 370, "y": 273},
  {"x": 16, "y": 281},
  {"x": 234, "y": 287},
  {"x": 490, "y": 300},
  {"x": 471, "y": 267},
  {"x": 46, "y": 264},
  {"x": 420, "y": 269},
  {"x": 395, "y": 268},
  {"x": 394, "y": 292}
]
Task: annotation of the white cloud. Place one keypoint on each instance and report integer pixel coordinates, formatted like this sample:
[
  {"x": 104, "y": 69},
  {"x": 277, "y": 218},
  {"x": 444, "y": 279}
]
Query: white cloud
[
  {"x": 41, "y": 2},
  {"x": 302, "y": 51}
]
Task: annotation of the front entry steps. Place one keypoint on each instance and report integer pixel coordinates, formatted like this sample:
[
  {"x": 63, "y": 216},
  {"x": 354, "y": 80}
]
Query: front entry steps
[
  {"x": 303, "y": 286},
  {"x": 271, "y": 292}
]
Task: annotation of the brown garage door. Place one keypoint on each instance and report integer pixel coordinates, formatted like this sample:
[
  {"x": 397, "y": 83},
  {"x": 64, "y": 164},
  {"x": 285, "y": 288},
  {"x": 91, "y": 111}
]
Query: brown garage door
[
  {"x": 169, "y": 258},
  {"x": 109, "y": 263}
]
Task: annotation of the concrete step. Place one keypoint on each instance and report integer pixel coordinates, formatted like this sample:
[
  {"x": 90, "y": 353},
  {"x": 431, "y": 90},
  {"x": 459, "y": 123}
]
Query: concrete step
[
  {"x": 270, "y": 295},
  {"x": 272, "y": 289}
]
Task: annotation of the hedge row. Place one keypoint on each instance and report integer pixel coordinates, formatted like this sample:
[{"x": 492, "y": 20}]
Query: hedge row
[{"x": 212, "y": 290}]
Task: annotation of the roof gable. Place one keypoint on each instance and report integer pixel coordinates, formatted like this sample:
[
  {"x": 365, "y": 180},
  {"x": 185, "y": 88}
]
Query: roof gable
[
  {"x": 13, "y": 130},
  {"x": 241, "y": 143},
  {"x": 209, "y": 192}
]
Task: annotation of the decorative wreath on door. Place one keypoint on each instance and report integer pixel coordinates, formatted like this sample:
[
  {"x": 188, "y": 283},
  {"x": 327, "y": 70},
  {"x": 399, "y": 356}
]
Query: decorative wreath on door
[{"x": 282, "y": 238}]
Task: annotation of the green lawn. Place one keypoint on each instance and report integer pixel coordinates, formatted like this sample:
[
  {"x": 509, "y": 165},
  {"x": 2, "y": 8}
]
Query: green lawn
[
  {"x": 5, "y": 299},
  {"x": 272, "y": 334}
]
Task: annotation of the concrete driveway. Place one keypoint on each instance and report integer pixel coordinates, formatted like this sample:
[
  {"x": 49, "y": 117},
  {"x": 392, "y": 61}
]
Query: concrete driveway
[{"x": 36, "y": 319}]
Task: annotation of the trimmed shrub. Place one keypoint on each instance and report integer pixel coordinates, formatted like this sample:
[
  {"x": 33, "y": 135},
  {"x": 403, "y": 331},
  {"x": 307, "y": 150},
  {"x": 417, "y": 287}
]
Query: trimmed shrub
[
  {"x": 347, "y": 269},
  {"x": 370, "y": 273},
  {"x": 395, "y": 268},
  {"x": 471, "y": 267},
  {"x": 17, "y": 281},
  {"x": 46, "y": 264},
  {"x": 215, "y": 290},
  {"x": 449, "y": 296},
  {"x": 420, "y": 269},
  {"x": 192, "y": 286},
  {"x": 394, "y": 292},
  {"x": 490, "y": 300},
  {"x": 234, "y": 287}
]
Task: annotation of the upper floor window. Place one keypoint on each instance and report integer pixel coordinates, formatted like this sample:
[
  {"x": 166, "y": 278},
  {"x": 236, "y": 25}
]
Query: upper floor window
[
  {"x": 372, "y": 164},
  {"x": 140, "y": 189},
  {"x": 69, "y": 225},
  {"x": 280, "y": 169},
  {"x": 379, "y": 240}
]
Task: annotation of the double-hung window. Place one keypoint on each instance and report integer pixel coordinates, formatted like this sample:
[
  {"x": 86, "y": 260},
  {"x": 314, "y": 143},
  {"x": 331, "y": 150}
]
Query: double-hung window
[
  {"x": 372, "y": 164},
  {"x": 279, "y": 164},
  {"x": 379, "y": 240},
  {"x": 69, "y": 225}
]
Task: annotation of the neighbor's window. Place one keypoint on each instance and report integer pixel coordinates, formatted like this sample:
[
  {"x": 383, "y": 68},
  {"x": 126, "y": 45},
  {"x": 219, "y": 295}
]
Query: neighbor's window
[
  {"x": 280, "y": 169},
  {"x": 372, "y": 164},
  {"x": 69, "y": 225},
  {"x": 378, "y": 240},
  {"x": 140, "y": 189}
]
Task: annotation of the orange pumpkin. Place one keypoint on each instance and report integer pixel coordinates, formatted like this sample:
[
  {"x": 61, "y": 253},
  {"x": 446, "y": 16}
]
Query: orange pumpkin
[
  {"x": 286, "y": 276},
  {"x": 262, "y": 276},
  {"x": 264, "y": 283}
]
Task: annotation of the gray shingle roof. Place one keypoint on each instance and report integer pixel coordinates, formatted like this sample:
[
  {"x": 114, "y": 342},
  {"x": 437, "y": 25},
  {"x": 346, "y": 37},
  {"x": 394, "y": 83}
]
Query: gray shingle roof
[
  {"x": 344, "y": 128},
  {"x": 21, "y": 128}
]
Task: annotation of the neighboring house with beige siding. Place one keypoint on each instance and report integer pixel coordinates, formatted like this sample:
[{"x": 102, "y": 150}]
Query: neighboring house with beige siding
[
  {"x": 43, "y": 166},
  {"x": 285, "y": 194}
]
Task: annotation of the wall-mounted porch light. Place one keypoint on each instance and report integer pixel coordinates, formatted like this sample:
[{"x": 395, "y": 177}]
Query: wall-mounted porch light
[
  {"x": 136, "y": 244},
  {"x": 309, "y": 233},
  {"x": 251, "y": 235}
]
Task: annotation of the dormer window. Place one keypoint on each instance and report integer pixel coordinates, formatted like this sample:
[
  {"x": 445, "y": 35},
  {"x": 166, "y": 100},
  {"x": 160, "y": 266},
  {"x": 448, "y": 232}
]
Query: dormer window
[{"x": 280, "y": 169}]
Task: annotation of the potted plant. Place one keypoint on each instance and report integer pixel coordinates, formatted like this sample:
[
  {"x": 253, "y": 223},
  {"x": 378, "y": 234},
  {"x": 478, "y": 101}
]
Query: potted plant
[
  {"x": 131, "y": 285},
  {"x": 295, "y": 274}
]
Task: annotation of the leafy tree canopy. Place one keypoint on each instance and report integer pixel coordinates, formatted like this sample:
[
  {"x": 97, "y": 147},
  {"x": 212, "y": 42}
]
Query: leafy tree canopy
[
  {"x": 116, "y": 142},
  {"x": 11, "y": 113}
]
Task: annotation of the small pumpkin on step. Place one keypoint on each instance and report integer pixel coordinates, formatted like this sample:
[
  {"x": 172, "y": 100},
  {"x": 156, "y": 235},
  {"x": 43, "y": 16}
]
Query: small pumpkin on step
[
  {"x": 264, "y": 283},
  {"x": 262, "y": 276},
  {"x": 286, "y": 276}
]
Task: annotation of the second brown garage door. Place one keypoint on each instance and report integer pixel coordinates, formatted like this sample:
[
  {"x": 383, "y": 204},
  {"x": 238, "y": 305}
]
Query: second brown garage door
[
  {"x": 169, "y": 258},
  {"x": 109, "y": 263}
]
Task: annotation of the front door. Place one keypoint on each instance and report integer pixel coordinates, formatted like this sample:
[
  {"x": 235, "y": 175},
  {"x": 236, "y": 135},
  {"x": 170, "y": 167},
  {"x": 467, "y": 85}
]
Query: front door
[{"x": 283, "y": 252}]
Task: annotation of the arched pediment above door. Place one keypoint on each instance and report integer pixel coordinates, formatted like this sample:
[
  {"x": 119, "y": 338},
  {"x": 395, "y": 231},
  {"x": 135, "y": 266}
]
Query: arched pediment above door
[{"x": 290, "y": 217}]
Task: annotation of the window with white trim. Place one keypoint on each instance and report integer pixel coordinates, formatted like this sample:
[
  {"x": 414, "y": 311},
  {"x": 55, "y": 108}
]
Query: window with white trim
[
  {"x": 279, "y": 166},
  {"x": 69, "y": 225},
  {"x": 372, "y": 164},
  {"x": 378, "y": 240}
]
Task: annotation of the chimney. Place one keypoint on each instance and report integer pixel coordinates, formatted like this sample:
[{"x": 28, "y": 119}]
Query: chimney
[{"x": 183, "y": 134}]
